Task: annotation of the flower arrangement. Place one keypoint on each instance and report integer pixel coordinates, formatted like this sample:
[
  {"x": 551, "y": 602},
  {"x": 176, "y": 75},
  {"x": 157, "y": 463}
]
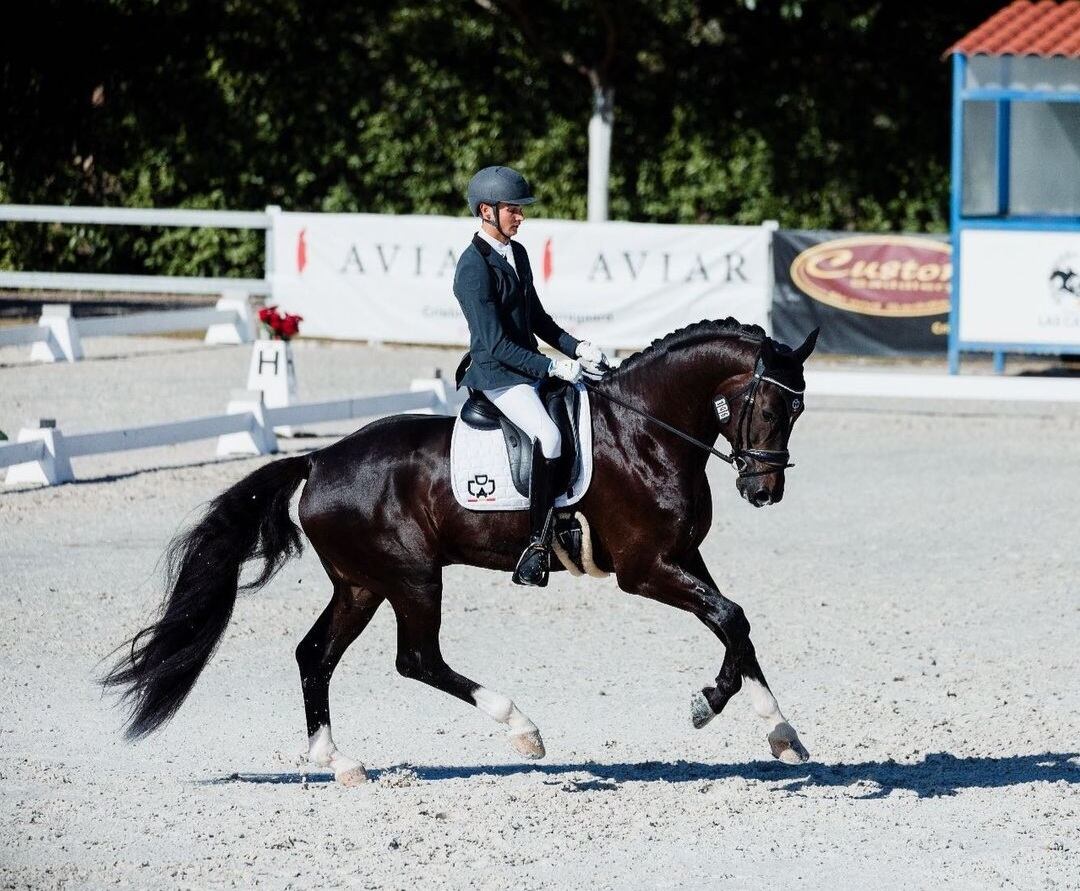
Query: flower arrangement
[{"x": 278, "y": 326}]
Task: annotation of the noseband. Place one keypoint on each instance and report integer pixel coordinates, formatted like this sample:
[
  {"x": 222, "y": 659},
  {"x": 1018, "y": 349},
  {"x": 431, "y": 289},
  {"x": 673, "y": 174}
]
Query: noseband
[{"x": 741, "y": 455}]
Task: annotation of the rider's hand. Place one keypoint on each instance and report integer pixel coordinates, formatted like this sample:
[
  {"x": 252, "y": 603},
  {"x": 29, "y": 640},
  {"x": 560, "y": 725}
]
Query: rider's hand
[
  {"x": 565, "y": 369},
  {"x": 593, "y": 361}
]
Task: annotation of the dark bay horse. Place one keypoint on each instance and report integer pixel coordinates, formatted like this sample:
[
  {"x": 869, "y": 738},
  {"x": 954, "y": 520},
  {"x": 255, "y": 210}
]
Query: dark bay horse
[{"x": 379, "y": 510}]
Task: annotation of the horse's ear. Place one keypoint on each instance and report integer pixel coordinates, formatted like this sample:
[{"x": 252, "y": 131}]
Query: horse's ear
[{"x": 803, "y": 352}]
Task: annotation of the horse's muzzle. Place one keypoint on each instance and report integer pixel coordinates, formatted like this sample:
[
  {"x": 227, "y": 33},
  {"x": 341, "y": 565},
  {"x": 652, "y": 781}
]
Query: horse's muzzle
[
  {"x": 761, "y": 495},
  {"x": 760, "y": 498}
]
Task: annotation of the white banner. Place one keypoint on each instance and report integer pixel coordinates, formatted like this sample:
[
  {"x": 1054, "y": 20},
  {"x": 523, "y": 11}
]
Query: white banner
[
  {"x": 390, "y": 278},
  {"x": 1019, "y": 287}
]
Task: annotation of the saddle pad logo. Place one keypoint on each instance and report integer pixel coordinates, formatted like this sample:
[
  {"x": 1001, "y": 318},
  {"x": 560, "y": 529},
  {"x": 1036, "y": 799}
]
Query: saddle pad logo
[{"x": 482, "y": 487}]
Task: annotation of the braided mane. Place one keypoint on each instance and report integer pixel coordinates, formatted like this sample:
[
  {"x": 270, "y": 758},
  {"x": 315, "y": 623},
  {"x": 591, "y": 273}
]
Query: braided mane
[{"x": 698, "y": 332}]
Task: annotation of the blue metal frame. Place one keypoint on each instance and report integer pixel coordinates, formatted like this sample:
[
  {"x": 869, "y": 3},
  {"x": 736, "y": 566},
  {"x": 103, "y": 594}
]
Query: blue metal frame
[
  {"x": 1001, "y": 155},
  {"x": 1049, "y": 223},
  {"x": 958, "y": 222},
  {"x": 957, "y": 193},
  {"x": 999, "y": 95}
]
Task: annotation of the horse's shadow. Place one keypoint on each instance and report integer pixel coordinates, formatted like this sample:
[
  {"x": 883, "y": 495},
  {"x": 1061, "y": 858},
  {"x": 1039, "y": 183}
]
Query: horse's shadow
[{"x": 938, "y": 774}]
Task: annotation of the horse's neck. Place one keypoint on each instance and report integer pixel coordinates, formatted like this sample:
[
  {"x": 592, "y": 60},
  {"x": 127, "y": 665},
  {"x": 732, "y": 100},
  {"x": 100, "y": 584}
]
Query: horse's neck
[{"x": 679, "y": 386}]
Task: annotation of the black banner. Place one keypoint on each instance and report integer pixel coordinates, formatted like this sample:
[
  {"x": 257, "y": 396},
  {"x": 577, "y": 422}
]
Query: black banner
[{"x": 872, "y": 295}]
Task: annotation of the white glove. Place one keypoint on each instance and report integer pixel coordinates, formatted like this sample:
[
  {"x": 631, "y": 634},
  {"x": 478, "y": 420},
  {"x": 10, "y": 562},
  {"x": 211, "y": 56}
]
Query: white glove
[
  {"x": 593, "y": 361},
  {"x": 567, "y": 369}
]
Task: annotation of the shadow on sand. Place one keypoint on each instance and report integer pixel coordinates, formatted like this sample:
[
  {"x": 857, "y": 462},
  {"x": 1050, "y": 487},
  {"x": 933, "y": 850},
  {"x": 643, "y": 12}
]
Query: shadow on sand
[{"x": 938, "y": 774}]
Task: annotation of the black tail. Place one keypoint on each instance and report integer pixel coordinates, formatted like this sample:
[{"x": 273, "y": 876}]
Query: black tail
[{"x": 248, "y": 521}]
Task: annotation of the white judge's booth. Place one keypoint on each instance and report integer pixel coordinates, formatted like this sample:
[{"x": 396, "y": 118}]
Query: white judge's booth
[{"x": 1015, "y": 192}]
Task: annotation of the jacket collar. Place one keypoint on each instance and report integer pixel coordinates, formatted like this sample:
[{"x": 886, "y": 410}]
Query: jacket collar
[{"x": 491, "y": 255}]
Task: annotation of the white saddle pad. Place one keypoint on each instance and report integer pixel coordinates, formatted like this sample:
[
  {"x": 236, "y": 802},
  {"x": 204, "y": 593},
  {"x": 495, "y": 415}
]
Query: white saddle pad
[{"x": 480, "y": 468}]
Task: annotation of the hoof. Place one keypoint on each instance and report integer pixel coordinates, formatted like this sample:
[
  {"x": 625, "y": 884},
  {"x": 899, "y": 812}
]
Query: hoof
[
  {"x": 354, "y": 776},
  {"x": 528, "y": 744},
  {"x": 701, "y": 712},
  {"x": 785, "y": 745}
]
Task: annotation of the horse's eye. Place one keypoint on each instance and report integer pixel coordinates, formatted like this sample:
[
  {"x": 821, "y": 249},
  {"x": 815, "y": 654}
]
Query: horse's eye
[{"x": 768, "y": 415}]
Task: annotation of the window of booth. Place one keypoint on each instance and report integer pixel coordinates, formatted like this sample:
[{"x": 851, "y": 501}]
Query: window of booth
[
  {"x": 980, "y": 191},
  {"x": 1044, "y": 159},
  {"x": 1030, "y": 73}
]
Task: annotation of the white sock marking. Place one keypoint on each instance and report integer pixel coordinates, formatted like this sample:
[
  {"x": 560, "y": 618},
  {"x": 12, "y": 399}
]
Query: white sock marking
[
  {"x": 764, "y": 703},
  {"x": 502, "y": 709},
  {"x": 323, "y": 752}
]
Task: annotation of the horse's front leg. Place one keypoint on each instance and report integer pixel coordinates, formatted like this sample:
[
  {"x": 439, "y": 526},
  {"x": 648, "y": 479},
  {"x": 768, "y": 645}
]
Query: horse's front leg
[
  {"x": 685, "y": 583},
  {"x": 783, "y": 740}
]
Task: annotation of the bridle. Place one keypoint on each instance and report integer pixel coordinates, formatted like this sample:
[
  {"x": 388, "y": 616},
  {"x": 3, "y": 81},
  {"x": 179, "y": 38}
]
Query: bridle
[{"x": 741, "y": 453}]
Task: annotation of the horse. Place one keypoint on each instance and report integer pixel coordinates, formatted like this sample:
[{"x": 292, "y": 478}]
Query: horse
[{"x": 379, "y": 510}]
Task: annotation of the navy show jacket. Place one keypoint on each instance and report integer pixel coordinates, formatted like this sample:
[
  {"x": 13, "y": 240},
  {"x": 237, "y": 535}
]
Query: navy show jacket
[{"x": 505, "y": 317}]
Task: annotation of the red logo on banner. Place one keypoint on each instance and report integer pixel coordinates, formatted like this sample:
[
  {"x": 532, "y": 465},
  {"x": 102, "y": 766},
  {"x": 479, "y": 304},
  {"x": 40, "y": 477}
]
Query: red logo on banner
[
  {"x": 879, "y": 275},
  {"x": 301, "y": 251},
  {"x": 547, "y": 260}
]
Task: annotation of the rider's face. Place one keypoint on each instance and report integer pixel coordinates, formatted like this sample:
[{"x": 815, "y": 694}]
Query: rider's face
[{"x": 511, "y": 216}]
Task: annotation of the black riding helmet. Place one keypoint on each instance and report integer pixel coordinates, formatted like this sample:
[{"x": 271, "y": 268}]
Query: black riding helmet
[{"x": 495, "y": 186}]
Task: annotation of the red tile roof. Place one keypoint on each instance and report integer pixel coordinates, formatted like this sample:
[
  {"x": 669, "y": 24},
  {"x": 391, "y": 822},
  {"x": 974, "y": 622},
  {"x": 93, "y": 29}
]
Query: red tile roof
[{"x": 1024, "y": 28}]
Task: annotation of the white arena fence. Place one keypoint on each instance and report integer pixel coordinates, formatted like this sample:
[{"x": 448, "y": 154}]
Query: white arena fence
[
  {"x": 57, "y": 336},
  {"x": 134, "y": 216},
  {"x": 378, "y": 277},
  {"x": 43, "y": 454}
]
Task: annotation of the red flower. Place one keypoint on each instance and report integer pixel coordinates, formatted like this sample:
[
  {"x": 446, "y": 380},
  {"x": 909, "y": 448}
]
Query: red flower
[
  {"x": 290, "y": 325},
  {"x": 278, "y": 326}
]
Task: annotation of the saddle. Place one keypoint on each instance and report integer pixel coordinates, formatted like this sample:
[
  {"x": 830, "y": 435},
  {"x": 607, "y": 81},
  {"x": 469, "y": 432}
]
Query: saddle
[{"x": 562, "y": 403}]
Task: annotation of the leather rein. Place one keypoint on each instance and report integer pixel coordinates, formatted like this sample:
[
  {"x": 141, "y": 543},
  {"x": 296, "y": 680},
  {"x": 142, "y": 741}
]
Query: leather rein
[{"x": 773, "y": 459}]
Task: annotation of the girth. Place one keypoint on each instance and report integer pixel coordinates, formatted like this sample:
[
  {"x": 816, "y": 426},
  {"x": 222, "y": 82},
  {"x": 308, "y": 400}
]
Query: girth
[{"x": 561, "y": 402}]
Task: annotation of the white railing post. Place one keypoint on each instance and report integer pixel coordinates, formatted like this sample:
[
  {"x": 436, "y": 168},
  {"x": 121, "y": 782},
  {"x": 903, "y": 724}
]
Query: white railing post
[
  {"x": 62, "y": 343},
  {"x": 259, "y": 439},
  {"x": 770, "y": 226},
  {"x": 273, "y": 212},
  {"x": 52, "y": 468},
  {"x": 242, "y": 330},
  {"x": 437, "y": 385}
]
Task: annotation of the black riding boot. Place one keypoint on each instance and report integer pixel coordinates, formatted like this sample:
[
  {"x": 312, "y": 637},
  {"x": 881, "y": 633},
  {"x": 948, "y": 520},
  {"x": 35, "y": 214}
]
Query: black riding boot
[{"x": 532, "y": 567}]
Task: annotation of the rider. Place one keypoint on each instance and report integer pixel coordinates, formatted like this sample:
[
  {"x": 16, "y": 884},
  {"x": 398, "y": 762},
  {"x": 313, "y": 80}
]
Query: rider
[{"x": 494, "y": 285}]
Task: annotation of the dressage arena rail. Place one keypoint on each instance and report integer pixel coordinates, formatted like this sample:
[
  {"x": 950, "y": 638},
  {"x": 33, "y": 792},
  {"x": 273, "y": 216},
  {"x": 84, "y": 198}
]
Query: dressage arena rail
[
  {"x": 43, "y": 454},
  {"x": 57, "y": 337},
  {"x": 137, "y": 216}
]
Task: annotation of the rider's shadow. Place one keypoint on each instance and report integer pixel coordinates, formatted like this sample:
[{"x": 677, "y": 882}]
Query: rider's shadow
[{"x": 938, "y": 774}]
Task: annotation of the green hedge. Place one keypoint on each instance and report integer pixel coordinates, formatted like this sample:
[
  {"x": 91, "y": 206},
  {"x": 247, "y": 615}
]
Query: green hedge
[{"x": 818, "y": 114}]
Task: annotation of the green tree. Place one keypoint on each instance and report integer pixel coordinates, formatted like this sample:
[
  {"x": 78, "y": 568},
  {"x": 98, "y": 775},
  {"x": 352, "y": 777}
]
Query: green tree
[{"x": 832, "y": 114}]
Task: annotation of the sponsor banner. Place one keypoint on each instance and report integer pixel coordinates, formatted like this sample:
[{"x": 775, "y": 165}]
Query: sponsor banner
[
  {"x": 390, "y": 278},
  {"x": 880, "y": 295},
  {"x": 1020, "y": 287}
]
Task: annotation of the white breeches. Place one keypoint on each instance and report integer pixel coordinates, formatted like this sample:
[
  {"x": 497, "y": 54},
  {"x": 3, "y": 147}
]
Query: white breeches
[{"x": 521, "y": 404}]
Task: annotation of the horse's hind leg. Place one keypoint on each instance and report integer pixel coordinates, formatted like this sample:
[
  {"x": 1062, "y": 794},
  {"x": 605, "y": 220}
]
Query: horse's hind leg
[
  {"x": 419, "y": 656},
  {"x": 345, "y": 617}
]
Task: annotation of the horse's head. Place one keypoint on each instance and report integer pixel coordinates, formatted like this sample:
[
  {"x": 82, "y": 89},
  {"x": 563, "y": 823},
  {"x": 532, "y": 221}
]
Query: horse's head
[{"x": 764, "y": 404}]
